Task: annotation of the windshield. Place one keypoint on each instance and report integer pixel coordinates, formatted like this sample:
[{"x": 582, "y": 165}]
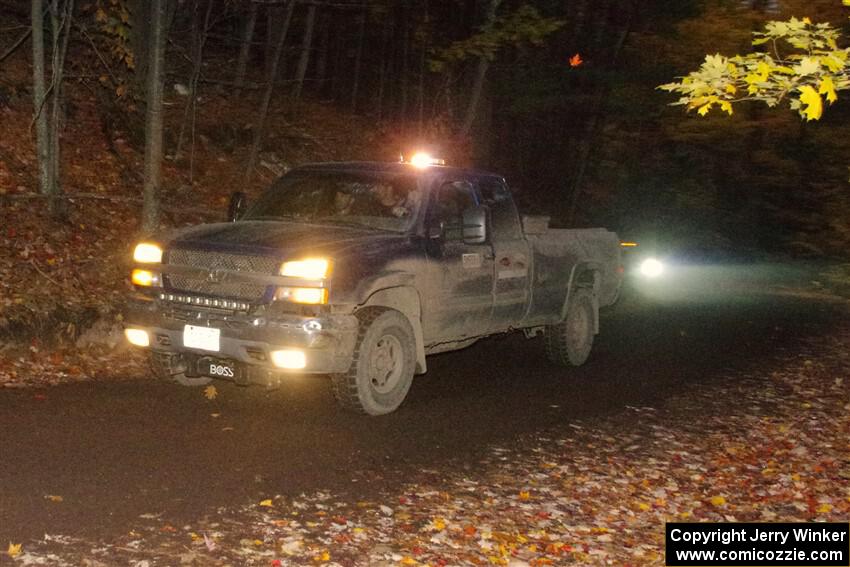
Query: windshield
[{"x": 368, "y": 199}]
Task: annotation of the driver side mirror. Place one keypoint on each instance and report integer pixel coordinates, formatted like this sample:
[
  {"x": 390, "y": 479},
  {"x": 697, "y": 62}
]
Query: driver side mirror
[
  {"x": 238, "y": 206},
  {"x": 475, "y": 225}
]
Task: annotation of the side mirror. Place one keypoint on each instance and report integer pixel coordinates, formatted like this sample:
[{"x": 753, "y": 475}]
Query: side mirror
[
  {"x": 238, "y": 206},
  {"x": 475, "y": 225}
]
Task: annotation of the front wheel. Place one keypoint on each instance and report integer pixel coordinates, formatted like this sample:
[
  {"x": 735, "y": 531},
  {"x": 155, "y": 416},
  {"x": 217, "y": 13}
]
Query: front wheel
[
  {"x": 382, "y": 369},
  {"x": 569, "y": 342}
]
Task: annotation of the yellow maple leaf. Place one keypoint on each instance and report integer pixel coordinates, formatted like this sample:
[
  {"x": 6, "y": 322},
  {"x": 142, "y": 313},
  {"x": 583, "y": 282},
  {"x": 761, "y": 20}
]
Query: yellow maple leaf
[
  {"x": 524, "y": 495},
  {"x": 731, "y": 89},
  {"x": 824, "y": 508},
  {"x": 267, "y": 503},
  {"x": 827, "y": 87},
  {"x": 718, "y": 500},
  {"x": 807, "y": 20},
  {"x": 813, "y": 102},
  {"x": 14, "y": 549},
  {"x": 438, "y": 524},
  {"x": 325, "y": 556},
  {"x": 703, "y": 110},
  {"x": 210, "y": 392},
  {"x": 726, "y": 107}
]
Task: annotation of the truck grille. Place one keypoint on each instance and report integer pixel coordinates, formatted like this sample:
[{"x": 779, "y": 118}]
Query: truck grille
[{"x": 209, "y": 261}]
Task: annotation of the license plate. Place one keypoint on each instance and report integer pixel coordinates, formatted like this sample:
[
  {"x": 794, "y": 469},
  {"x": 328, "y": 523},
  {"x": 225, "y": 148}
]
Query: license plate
[{"x": 204, "y": 338}]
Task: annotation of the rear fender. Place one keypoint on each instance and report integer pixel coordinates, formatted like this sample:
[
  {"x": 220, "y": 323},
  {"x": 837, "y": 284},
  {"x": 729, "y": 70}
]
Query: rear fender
[{"x": 406, "y": 300}]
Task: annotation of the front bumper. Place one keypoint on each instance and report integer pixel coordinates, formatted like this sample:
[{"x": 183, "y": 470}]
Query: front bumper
[{"x": 327, "y": 340}]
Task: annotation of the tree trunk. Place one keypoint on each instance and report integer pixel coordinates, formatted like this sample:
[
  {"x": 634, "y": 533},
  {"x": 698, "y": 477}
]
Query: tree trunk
[
  {"x": 61, "y": 28},
  {"x": 358, "y": 59},
  {"x": 306, "y": 47},
  {"x": 267, "y": 96},
  {"x": 197, "y": 59},
  {"x": 139, "y": 39},
  {"x": 153, "y": 118},
  {"x": 421, "y": 89},
  {"x": 382, "y": 77},
  {"x": 39, "y": 95},
  {"x": 322, "y": 60},
  {"x": 245, "y": 50},
  {"x": 405, "y": 68},
  {"x": 480, "y": 74}
]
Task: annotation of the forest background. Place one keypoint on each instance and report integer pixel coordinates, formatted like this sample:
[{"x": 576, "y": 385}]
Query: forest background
[{"x": 560, "y": 97}]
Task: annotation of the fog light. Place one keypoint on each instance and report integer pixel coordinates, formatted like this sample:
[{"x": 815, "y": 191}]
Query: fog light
[
  {"x": 308, "y": 295},
  {"x": 291, "y": 359},
  {"x": 145, "y": 278},
  {"x": 137, "y": 337}
]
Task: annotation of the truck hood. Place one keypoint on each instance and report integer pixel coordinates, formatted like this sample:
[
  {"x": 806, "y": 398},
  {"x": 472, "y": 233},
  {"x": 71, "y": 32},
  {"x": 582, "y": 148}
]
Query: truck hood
[{"x": 278, "y": 238}]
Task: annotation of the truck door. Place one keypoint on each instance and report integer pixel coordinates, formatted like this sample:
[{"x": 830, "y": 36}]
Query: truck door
[
  {"x": 512, "y": 257},
  {"x": 460, "y": 275}
]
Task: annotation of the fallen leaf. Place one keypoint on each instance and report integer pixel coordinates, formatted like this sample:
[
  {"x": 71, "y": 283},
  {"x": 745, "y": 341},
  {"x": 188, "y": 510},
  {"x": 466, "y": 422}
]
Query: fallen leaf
[
  {"x": 576, "y": 60},
  {"x": 210, "y": 392},
  {"x": 14, "y": 549},
  {"x": 267, "y": 503},
  {"x": 717, "y": 501}
]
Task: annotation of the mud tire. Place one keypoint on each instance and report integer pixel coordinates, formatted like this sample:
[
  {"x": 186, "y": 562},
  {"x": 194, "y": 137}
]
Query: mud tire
[
  {"x": 569, "y": 342},
  {"x": 384, "y": 362}
]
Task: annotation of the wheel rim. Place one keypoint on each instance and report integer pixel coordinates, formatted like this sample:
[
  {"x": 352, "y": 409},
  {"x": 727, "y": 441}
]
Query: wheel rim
[
  {"x": 386, "y": 364},
  {"x": 578, "y": 329}
]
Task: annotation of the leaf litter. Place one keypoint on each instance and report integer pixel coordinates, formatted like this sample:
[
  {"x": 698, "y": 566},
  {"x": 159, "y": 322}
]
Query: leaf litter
[{"x": 770, "y": 445}]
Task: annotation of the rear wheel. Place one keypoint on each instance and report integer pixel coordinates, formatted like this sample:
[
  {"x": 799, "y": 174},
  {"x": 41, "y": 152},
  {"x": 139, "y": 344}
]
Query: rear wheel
[
  {"x": 382, "y": 369},
  {"x": 569, "y": 342},
  {"x": 168, "y": 366}
]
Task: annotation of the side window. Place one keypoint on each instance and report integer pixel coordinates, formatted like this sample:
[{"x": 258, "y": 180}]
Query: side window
[
  {"x": 503, "y": 213},
  {"x": 452, "y": 199}
]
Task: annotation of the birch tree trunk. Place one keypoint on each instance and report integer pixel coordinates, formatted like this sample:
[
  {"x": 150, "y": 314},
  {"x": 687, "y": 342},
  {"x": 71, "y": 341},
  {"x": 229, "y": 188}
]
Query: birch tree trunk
[
  {"x": 480, "y": 74},
  {"x": 60, "y": 20},
  {"x": 39, "y": 95},
  {"x": 153, "y": 118},
  {"x": 306, "y": 44},
  {"x": 259, "y": 128},
  {"x": 245, "y": 50}
]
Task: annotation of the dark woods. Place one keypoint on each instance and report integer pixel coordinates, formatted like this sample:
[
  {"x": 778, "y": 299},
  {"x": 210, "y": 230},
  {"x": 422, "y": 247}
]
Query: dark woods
[{"x": 560, "y": 96}]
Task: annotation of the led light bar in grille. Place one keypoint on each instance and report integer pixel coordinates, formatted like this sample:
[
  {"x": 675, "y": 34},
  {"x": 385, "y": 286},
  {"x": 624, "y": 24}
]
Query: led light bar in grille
[{"x": 205, "y": 301}]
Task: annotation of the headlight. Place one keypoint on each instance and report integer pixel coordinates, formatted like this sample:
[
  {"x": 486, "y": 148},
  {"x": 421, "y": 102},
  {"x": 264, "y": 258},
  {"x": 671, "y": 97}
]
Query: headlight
[
  {"x": 147, "y": 253},
  {"x": 651, "y": 268},
  {"x": 310, "y": 269}
]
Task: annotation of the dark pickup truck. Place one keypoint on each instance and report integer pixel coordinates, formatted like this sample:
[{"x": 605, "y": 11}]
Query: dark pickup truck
[{"x": 360, "y": 270}]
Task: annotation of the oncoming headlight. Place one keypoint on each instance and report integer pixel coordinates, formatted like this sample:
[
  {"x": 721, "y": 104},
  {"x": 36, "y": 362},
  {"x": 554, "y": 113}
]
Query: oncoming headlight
[
  {"x": 651, "y": 268},
  {"x": 309, "y": 269},
  {"x": 147, "y": 253}
]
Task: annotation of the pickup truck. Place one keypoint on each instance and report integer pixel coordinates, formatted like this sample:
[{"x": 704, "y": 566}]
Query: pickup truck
[{"x": 359, "y": 270}]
